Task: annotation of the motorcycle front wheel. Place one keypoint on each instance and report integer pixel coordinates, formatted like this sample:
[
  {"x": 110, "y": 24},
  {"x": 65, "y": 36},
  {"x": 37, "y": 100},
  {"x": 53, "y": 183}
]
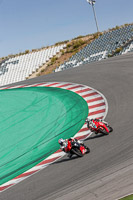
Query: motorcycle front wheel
[
  {"x": 77, "y": 152},
  {"x": 87, "y": 149},
  {"x": 103, "y": 131},
  {"x": 110, "y": 129}
]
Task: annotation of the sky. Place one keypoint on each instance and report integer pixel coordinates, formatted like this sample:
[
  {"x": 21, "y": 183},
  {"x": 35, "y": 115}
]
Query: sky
[{"x": 31, "y": 24}]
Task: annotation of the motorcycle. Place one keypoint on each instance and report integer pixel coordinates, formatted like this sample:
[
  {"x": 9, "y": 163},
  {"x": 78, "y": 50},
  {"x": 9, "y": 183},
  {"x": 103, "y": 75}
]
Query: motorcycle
[
  {"x": 99, "y": 126},
  {"x": 76, "y": 148}
]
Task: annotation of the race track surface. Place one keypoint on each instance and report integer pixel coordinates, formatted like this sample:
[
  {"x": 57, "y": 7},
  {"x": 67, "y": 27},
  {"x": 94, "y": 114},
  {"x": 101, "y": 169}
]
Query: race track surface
[{"x": 107, "y": 172}]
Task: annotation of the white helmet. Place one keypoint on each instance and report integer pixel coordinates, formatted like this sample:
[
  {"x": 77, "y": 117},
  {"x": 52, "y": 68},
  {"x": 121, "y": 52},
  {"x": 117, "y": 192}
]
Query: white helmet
[
  {"x": 61, "y": 141},
  {"x": 88, "y": 119}
]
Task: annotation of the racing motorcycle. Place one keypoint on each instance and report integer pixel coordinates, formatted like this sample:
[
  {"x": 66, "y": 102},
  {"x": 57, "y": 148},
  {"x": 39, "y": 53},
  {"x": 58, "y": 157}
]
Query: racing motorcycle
[
  {"x": 79, "y": 149},
  {"x": 99, "y": 126}
]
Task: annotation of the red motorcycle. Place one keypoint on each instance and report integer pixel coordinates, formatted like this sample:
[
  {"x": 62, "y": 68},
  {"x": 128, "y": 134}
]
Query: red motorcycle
[
  {"x": 99, "y": 126},
  {"x": 74, "y": 147}
]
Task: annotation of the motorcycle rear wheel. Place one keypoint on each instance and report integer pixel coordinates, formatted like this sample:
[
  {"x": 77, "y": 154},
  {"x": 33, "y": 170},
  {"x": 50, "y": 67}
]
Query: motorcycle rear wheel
[{"x": 77, "y": 152}]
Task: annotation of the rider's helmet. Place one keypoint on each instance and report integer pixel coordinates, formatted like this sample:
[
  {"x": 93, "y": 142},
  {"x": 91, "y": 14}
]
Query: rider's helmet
[
  {"x": 91, "y": 121},
  {"x": 61, "y": 141},
  {"x": 87, "y": 119}
]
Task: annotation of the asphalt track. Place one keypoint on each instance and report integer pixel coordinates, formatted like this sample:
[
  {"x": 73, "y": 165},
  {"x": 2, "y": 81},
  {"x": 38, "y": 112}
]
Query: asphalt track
[{"x": 107, "y": 172}]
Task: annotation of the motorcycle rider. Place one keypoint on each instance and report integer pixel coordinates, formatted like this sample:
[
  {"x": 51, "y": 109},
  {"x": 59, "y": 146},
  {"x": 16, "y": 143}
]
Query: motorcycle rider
[
  {"x": 63, "y": 144},
  {"x": 91, "y": 121},
  {"x": 101, "y": 120}
]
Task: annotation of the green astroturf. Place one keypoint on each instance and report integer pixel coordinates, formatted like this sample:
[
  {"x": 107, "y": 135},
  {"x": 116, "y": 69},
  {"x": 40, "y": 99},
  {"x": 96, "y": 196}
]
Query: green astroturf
[
  {"x": 31, "y": 122},
  {"x": 130, "y": 197}
]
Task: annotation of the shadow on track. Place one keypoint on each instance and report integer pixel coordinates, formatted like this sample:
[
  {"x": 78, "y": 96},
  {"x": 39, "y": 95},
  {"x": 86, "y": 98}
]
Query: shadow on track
[
  {"x": 66, "y": 159},
  {"x": 94, "y": 137}
]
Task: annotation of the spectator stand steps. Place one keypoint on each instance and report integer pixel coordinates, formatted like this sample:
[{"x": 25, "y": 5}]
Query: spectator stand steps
[
  {"x": 101, "y": 47},
  {"x": 18, "y": 68}
]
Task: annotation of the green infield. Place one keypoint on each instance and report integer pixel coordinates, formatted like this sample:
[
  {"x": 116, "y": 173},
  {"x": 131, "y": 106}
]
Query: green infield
[
  {"x": 130, "y": 197},
  {"x": 31, "y": 122}
]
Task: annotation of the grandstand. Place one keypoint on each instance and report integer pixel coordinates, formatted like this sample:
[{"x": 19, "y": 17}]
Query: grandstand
[
  {"x": 110, "y": 43},
  {"x": 101, "y": 48},
  {"x": 20, "y": 67},
  {"x": 128, "y": 48}
]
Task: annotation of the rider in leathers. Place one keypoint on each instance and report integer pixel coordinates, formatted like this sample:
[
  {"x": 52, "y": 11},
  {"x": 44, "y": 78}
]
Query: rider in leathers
[
  {"x": 91, "y": 122},
  {"x": 63, "y": 145}
]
